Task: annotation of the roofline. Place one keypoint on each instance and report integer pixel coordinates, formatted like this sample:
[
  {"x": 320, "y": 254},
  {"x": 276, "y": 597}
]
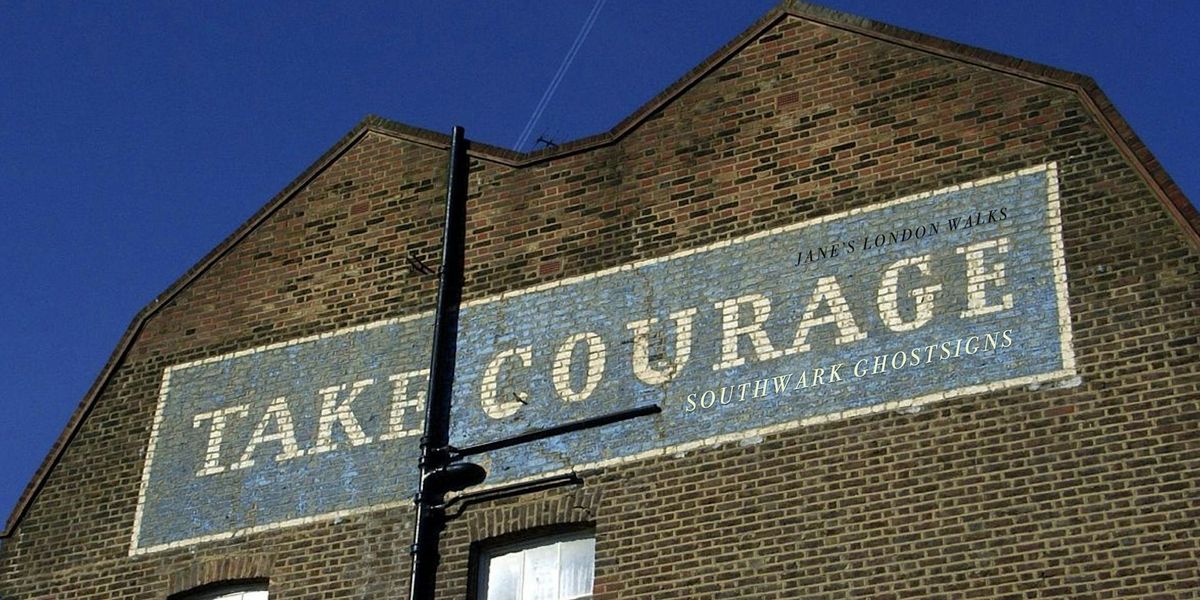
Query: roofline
[{"x": 1089, "y": 94}]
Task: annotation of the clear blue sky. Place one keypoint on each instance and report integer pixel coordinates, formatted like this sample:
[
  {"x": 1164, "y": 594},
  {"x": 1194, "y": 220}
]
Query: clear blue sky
[{"x": 134, "y": 137}]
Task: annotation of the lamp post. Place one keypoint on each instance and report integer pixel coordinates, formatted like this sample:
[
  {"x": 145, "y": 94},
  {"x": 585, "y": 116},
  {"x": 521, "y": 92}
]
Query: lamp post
[
  {"x": 438, "y": 475},
  {"x": 441, "y": 466}
]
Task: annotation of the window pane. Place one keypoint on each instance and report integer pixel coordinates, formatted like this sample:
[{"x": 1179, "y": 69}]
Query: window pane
[
  {"x": 557, "y": 568},
  {"x": 244, "y": 592},
  {"x": 504, "y": 577},
  {"x": 578, "y": 559},
  {"x": 541, "y": 573}
]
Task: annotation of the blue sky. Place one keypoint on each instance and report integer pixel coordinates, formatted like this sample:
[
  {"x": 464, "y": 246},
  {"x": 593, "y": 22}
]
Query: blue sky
[{"x": 134, "y": 137}]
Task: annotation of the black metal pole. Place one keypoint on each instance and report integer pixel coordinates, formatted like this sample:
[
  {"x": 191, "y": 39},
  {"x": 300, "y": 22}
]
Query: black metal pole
[
  {"x": 541, "y": 434},
  {"x": 430, "y": 513}
]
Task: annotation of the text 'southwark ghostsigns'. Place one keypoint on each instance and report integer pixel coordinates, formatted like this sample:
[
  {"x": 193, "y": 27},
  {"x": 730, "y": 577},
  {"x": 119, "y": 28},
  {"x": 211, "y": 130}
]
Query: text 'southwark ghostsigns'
[{"x": 946, "y": 293}]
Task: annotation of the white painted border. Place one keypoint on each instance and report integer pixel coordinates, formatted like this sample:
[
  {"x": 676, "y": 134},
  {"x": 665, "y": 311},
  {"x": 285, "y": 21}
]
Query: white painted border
[
  {"x": 1058, "y": 255},
  {"x": 1059, "y": 268},
  {"x": 141, "y": 501}
]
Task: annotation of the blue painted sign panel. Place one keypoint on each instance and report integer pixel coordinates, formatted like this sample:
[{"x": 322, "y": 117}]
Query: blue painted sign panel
[{"x": 938, "y": 295}]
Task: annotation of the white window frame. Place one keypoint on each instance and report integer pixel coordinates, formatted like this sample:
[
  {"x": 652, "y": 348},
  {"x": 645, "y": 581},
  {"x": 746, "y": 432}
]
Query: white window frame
[
  {"x": 233, "y": 591},
  {"x": 489, "y": 552}
]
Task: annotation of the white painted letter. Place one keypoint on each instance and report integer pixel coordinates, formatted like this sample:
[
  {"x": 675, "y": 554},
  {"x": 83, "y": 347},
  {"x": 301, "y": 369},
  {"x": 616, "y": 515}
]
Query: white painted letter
[
  {"x": 889, "y": 309},
  {"x": 333, "y": 411},
  {"x": 487, "y": 387},
  {"x": 732, "y": 329},
  {"x": 560, "y": 372},
  {"x": 981, "y": 274},
  {"x": 641, "y": 347},
  {"x": 285, "y": 434},
  {"x": 212, "y": 454},
  {"x": 830, "y": 293},
  {"x": 400, "y": 403}
]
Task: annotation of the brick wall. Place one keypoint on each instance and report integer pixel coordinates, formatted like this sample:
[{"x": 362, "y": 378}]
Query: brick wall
[{"x": 1085, "y": 489}]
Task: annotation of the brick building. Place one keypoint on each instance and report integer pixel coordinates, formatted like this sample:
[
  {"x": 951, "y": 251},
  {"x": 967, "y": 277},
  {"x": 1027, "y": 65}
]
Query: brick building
[{"x": 921, "y": 320}]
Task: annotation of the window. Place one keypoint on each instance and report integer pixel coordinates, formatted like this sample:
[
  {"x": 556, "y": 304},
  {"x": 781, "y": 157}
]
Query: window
[
  {"x": 246, "y": 595},
  {"x": 252, "y": 591},
  {"x": 555, "y": 568}
]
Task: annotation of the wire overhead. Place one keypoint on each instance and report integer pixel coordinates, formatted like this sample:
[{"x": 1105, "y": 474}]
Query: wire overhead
[{"x": 558, "y": 76}]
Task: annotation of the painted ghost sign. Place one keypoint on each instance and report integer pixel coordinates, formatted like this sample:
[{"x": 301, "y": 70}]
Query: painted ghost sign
[{"x": 923, "y": 298}]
